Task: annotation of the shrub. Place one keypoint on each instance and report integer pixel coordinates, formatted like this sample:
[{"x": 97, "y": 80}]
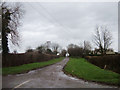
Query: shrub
[
  {"x": 112, "y": 62},
  {"x": 25, "y": 58}
]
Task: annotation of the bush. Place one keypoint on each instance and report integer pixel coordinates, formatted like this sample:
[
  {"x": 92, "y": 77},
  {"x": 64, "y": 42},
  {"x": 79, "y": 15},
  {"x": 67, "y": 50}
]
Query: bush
[
  {"x": 77, "y": 51},
  {"x": 25, "y": 58},
  {"x": 29, "y": 50},
  {"x": 112, "y": 62}
]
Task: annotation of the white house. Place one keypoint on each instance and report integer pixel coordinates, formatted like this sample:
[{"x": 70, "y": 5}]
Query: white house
[{"x": 67, "y": 54}]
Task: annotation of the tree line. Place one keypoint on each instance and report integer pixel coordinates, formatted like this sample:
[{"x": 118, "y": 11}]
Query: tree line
[
  {"x": 11, "y": 16},
  {"x": 48, "y": 48},
  {"x": 102, "y": 38}
]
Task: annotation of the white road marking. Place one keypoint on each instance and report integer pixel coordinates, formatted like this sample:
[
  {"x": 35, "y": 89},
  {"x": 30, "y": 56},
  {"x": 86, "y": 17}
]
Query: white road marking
[{"x": 21, "y": 84}]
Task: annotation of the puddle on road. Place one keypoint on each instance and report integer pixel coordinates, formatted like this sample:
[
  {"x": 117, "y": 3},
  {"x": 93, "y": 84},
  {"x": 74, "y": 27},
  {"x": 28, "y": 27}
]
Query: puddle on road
[
  {"x": 59, "y": 66},
  {"x": 34, "y": 71},
  {"x": 19, "y": 74},
  {"x": 30, "y": 72},
  {"x": 66, "y": 76}
]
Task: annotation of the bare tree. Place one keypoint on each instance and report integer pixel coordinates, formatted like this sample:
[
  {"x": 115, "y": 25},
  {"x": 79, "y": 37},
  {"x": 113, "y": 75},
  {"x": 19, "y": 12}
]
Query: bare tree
[
  {"x": 75, "y": 50},
  {"x": 63, "y": 52},
  {"x": 55, "y": 47},
  {"x": 47, "y": 45},
  {"x": 11, "y": 13},
  {"x": 71, "y": 46},
  {"x": 29, "y": 49},
  {"x": 102, "y": 38},
  {"x": 87, "y": 47},
  {"x": 41, "y": 49},
  {"x": 107, "y": 39}
]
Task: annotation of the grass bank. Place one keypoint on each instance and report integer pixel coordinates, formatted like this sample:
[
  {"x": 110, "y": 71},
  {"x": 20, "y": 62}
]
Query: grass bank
[
  {"x": 80, "y": 68},
  {"x": 28, "y": 67}
]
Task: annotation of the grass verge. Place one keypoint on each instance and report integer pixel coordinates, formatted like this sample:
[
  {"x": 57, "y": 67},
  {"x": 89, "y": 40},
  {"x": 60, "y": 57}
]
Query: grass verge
[
  {"x": 80, "y": 68},
  {"x": 28, "y": 67}
]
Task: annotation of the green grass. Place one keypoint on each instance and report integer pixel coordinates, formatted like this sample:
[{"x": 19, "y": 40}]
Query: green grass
[
  {"x": 80, "y": 68},
  {"x": 28, "y": 67}
]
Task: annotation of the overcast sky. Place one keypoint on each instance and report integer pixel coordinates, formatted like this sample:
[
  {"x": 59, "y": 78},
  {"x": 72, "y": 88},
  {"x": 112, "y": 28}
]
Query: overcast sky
[{"x": 65, "y": 23}]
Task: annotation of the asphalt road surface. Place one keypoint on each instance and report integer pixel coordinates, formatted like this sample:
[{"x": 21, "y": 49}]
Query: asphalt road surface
[{"x": 48, "y": 77}]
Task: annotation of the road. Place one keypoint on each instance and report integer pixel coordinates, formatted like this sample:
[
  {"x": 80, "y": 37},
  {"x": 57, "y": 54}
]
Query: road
[{"x": 48, "y": 77}]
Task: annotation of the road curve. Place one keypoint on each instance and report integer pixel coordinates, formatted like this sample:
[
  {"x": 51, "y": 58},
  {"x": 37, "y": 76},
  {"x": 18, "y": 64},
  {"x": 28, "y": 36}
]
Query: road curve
[{"x": 48, "y": 77}]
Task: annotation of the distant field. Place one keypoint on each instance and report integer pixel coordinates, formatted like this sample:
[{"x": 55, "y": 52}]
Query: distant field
[
  {"x": 80, "y": 68},
  {"x": 28, "y": 67}
]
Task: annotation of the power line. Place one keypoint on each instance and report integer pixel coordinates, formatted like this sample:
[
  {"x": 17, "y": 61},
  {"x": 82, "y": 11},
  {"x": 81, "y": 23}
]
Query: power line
[
  {"x": 53, "y": 17},
  {"x": 40, "y": 13},
  {"x": 56, "y": 22}
]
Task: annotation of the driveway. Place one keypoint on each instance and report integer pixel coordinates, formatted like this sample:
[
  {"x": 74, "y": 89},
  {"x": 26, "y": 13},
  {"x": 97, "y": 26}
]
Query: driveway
[{"x": 48, "y": 77}]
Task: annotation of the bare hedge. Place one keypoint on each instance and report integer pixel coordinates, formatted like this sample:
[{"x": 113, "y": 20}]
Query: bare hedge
[
  {"x": 25, "y": 58},
  {"x": 109, "y": 62}
]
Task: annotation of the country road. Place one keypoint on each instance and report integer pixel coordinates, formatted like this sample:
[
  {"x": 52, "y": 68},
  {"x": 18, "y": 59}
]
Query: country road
[{"x": 48, "y": 77}]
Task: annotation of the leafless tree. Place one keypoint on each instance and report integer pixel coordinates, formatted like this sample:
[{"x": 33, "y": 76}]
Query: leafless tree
[
  {"x": 29, "y": 49},
  {"x": 107, "y": 39},
  {"x": 87, "y": 47},
  {"x": 75, "y": 50},
  {"x": 55, "y": 47},
  {"x": 102, "y": 38},
  {"x": 71, "y": 46},
  {"x": 63, "y": 52},
  {"x": 41, "y": 49},
  {"x": 11, "y": 13},
  {"x": 47, "y": 45}
]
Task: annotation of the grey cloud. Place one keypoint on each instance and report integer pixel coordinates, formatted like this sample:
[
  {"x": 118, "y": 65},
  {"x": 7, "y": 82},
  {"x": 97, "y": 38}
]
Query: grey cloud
[{"x": 66, "y": 22}]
